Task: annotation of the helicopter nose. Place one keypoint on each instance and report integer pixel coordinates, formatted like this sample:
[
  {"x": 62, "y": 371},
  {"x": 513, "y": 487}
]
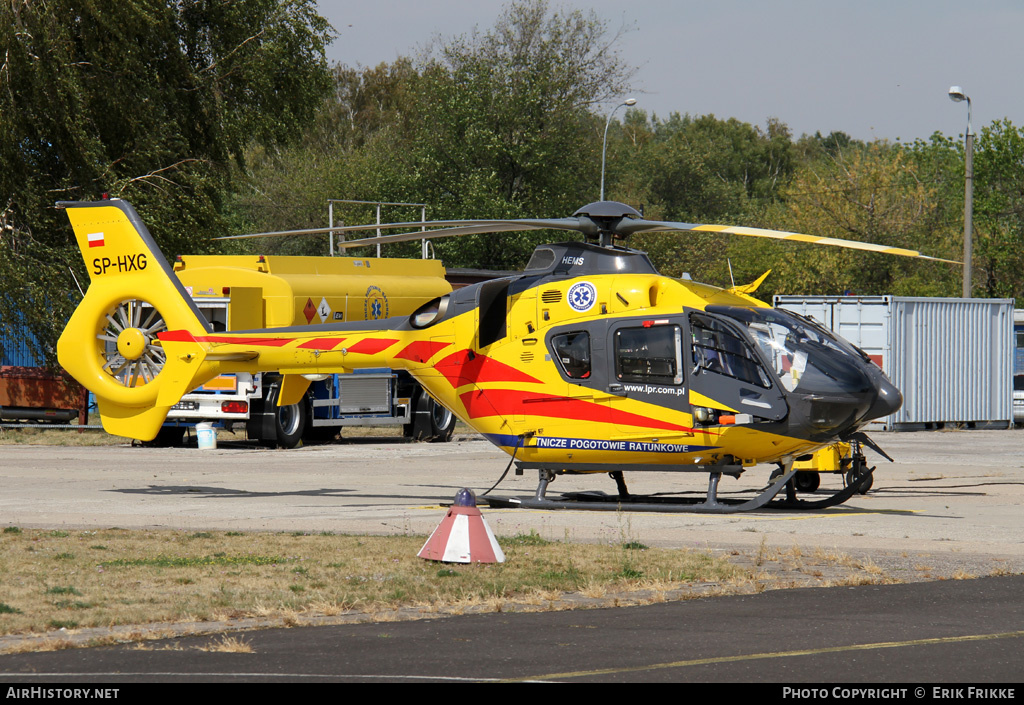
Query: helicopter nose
[
  {"x": 848, "y": 397},
  {"x": 888, "y": 400}
]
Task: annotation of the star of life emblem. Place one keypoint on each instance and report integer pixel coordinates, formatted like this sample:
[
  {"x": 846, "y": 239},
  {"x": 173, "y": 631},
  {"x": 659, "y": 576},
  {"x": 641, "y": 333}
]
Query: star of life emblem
[
  {"x": 376, "y": 304},
  {"x": 582, "y": 296}
]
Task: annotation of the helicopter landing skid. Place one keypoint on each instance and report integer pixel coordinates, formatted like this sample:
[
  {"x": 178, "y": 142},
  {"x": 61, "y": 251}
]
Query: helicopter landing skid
[
  {"x": 791, "y": 502},
  {"x": 711, "y": 504}
]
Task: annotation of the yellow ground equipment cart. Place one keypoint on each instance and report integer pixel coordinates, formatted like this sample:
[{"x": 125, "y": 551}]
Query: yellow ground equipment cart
[{"x": 846, "y": 459}]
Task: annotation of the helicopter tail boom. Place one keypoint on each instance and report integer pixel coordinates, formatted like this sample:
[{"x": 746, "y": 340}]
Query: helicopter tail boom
[{"x": 112, "y": 342}]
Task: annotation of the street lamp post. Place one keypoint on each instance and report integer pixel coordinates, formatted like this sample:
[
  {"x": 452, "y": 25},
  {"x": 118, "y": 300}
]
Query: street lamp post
[
  {"x": 604, "y": 147},
  {"x": 957, "y": 95}
]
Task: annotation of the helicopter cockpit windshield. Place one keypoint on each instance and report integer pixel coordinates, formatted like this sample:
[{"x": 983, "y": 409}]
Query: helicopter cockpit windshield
[{"x": 805, "y": 356}]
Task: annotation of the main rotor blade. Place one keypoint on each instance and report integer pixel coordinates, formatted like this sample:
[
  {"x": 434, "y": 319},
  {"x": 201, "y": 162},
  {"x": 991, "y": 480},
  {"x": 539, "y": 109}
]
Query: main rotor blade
[
  {"x": 584, "y": 224},
  {"x": 495, "y": 225},
  {"x": 475, "y": 227},
  {"x": 630, "y": 227}
]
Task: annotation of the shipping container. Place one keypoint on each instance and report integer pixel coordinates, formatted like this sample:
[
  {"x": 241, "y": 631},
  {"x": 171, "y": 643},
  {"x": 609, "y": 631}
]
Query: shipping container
[
  {"x": 1018, "y": 334},
  {"x": 951, "y": 358},
  {"x": 29, "y": 392},
  {"x": 1018, "y": 366},
  {"x": 17, "y": 351}
]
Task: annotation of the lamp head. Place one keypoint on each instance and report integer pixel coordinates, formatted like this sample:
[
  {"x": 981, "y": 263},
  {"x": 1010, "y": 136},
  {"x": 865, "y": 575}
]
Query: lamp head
[{"x": 956, "y": 94}]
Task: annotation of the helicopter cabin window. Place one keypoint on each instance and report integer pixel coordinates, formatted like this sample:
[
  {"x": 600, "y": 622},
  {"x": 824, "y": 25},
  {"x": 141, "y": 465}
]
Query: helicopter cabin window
[
  {"x": 651, "y": 354},
  {"x": 720, "y": 350},
  {"x": 542, "y": 258},
  {"x": 573, "y": 353}
]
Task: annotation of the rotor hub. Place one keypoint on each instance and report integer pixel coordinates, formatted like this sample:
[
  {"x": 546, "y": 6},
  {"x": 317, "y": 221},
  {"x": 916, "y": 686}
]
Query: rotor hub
[
  {"x": 602, "y": 219},
  {"x": 132, "y": 343}
]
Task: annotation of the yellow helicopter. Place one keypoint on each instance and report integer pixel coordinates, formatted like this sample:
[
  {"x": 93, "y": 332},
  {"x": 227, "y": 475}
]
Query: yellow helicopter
[{"x": 588, "y": 361}]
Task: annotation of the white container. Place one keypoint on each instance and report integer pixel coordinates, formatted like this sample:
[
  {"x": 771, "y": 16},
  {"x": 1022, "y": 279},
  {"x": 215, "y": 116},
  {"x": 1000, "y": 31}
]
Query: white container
[{"x": 206, "y": 436}]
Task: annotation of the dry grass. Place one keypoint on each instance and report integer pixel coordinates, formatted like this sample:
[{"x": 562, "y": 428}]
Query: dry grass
[
  {"x": 228, "y": 645},
  {"x": 963, "y": 575},
  {"x": 59, "y": 437},
  {"x": 41, "y": 436},
  {"x": 74, "y": 580}
]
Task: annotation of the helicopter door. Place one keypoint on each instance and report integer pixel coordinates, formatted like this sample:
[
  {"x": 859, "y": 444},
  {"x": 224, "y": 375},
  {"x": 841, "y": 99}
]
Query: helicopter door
[
  {"x": 726, "y": 373},
  {"x": 646, "y": 362}
]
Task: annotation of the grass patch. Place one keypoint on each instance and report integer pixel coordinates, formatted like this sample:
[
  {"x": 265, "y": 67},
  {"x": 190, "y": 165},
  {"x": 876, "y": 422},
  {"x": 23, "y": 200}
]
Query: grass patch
[
  {"x": 72, "y": 605},
  {"x": 530, "y": 539},
  {"x": 58, "y": 590},
  {"x": 228, "y": 644},
  {"x": 192, "y": 561},
  {"x": 62, "y": 624},
  {"x": 60, "y": 436},
  {"x": 148, "y": 577}
]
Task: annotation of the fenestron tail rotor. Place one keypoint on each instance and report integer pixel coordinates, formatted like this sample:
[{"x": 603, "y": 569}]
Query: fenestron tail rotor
[{"x": 128, "y": 342}]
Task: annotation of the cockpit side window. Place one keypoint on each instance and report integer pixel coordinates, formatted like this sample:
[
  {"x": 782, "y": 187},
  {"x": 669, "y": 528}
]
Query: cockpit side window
[
  {"x": 573, "y": 353},
  {"x": 649, "y": 354},
  {"x": 718, "y": 349}
]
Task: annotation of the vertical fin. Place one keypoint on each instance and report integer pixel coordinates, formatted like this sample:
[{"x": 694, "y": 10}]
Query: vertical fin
[{"x": 111, "y": 345}]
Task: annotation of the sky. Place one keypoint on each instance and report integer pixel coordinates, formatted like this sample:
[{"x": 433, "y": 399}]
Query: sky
[{"x": 874, "y": 69}]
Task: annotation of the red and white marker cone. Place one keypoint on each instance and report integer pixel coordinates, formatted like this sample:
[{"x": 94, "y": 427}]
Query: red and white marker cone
[{"x": 463, "y": 535}]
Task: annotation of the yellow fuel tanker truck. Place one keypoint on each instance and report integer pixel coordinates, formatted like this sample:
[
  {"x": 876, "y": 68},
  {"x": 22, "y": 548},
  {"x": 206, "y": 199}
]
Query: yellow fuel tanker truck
[{"x": 244, "y": 292}]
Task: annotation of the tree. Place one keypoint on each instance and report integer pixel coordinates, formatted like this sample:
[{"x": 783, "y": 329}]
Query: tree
[
  {"x": 999, "y": 211},
  {"x": 146, "y": 101},
  {"x": 833, "y": 144},
  {"x": 495, "y": 124},
  {"x": 358, "y": 135},
  {"x": 699, "y": 169},
  {"x": 506, "y": 125},
  {"x": 873, "y": 193}
]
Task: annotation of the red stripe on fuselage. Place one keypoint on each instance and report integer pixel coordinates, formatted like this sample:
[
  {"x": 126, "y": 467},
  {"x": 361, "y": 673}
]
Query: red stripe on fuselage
[
  {"x": 420, "y": 350},
  {"x": 372, "y": 346},
  {"x": 510, "y": 402},
  {"x": 321, "y": 343},
  {"x": 367, "y": 346},
  {"x": 176, "y": 336},
  {"x": 466, "y": 367}
]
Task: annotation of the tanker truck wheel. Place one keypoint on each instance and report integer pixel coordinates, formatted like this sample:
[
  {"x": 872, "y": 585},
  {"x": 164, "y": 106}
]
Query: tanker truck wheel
[
  {"x": 431, "y": 420},
  {"x": 277, "y": 426}
]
